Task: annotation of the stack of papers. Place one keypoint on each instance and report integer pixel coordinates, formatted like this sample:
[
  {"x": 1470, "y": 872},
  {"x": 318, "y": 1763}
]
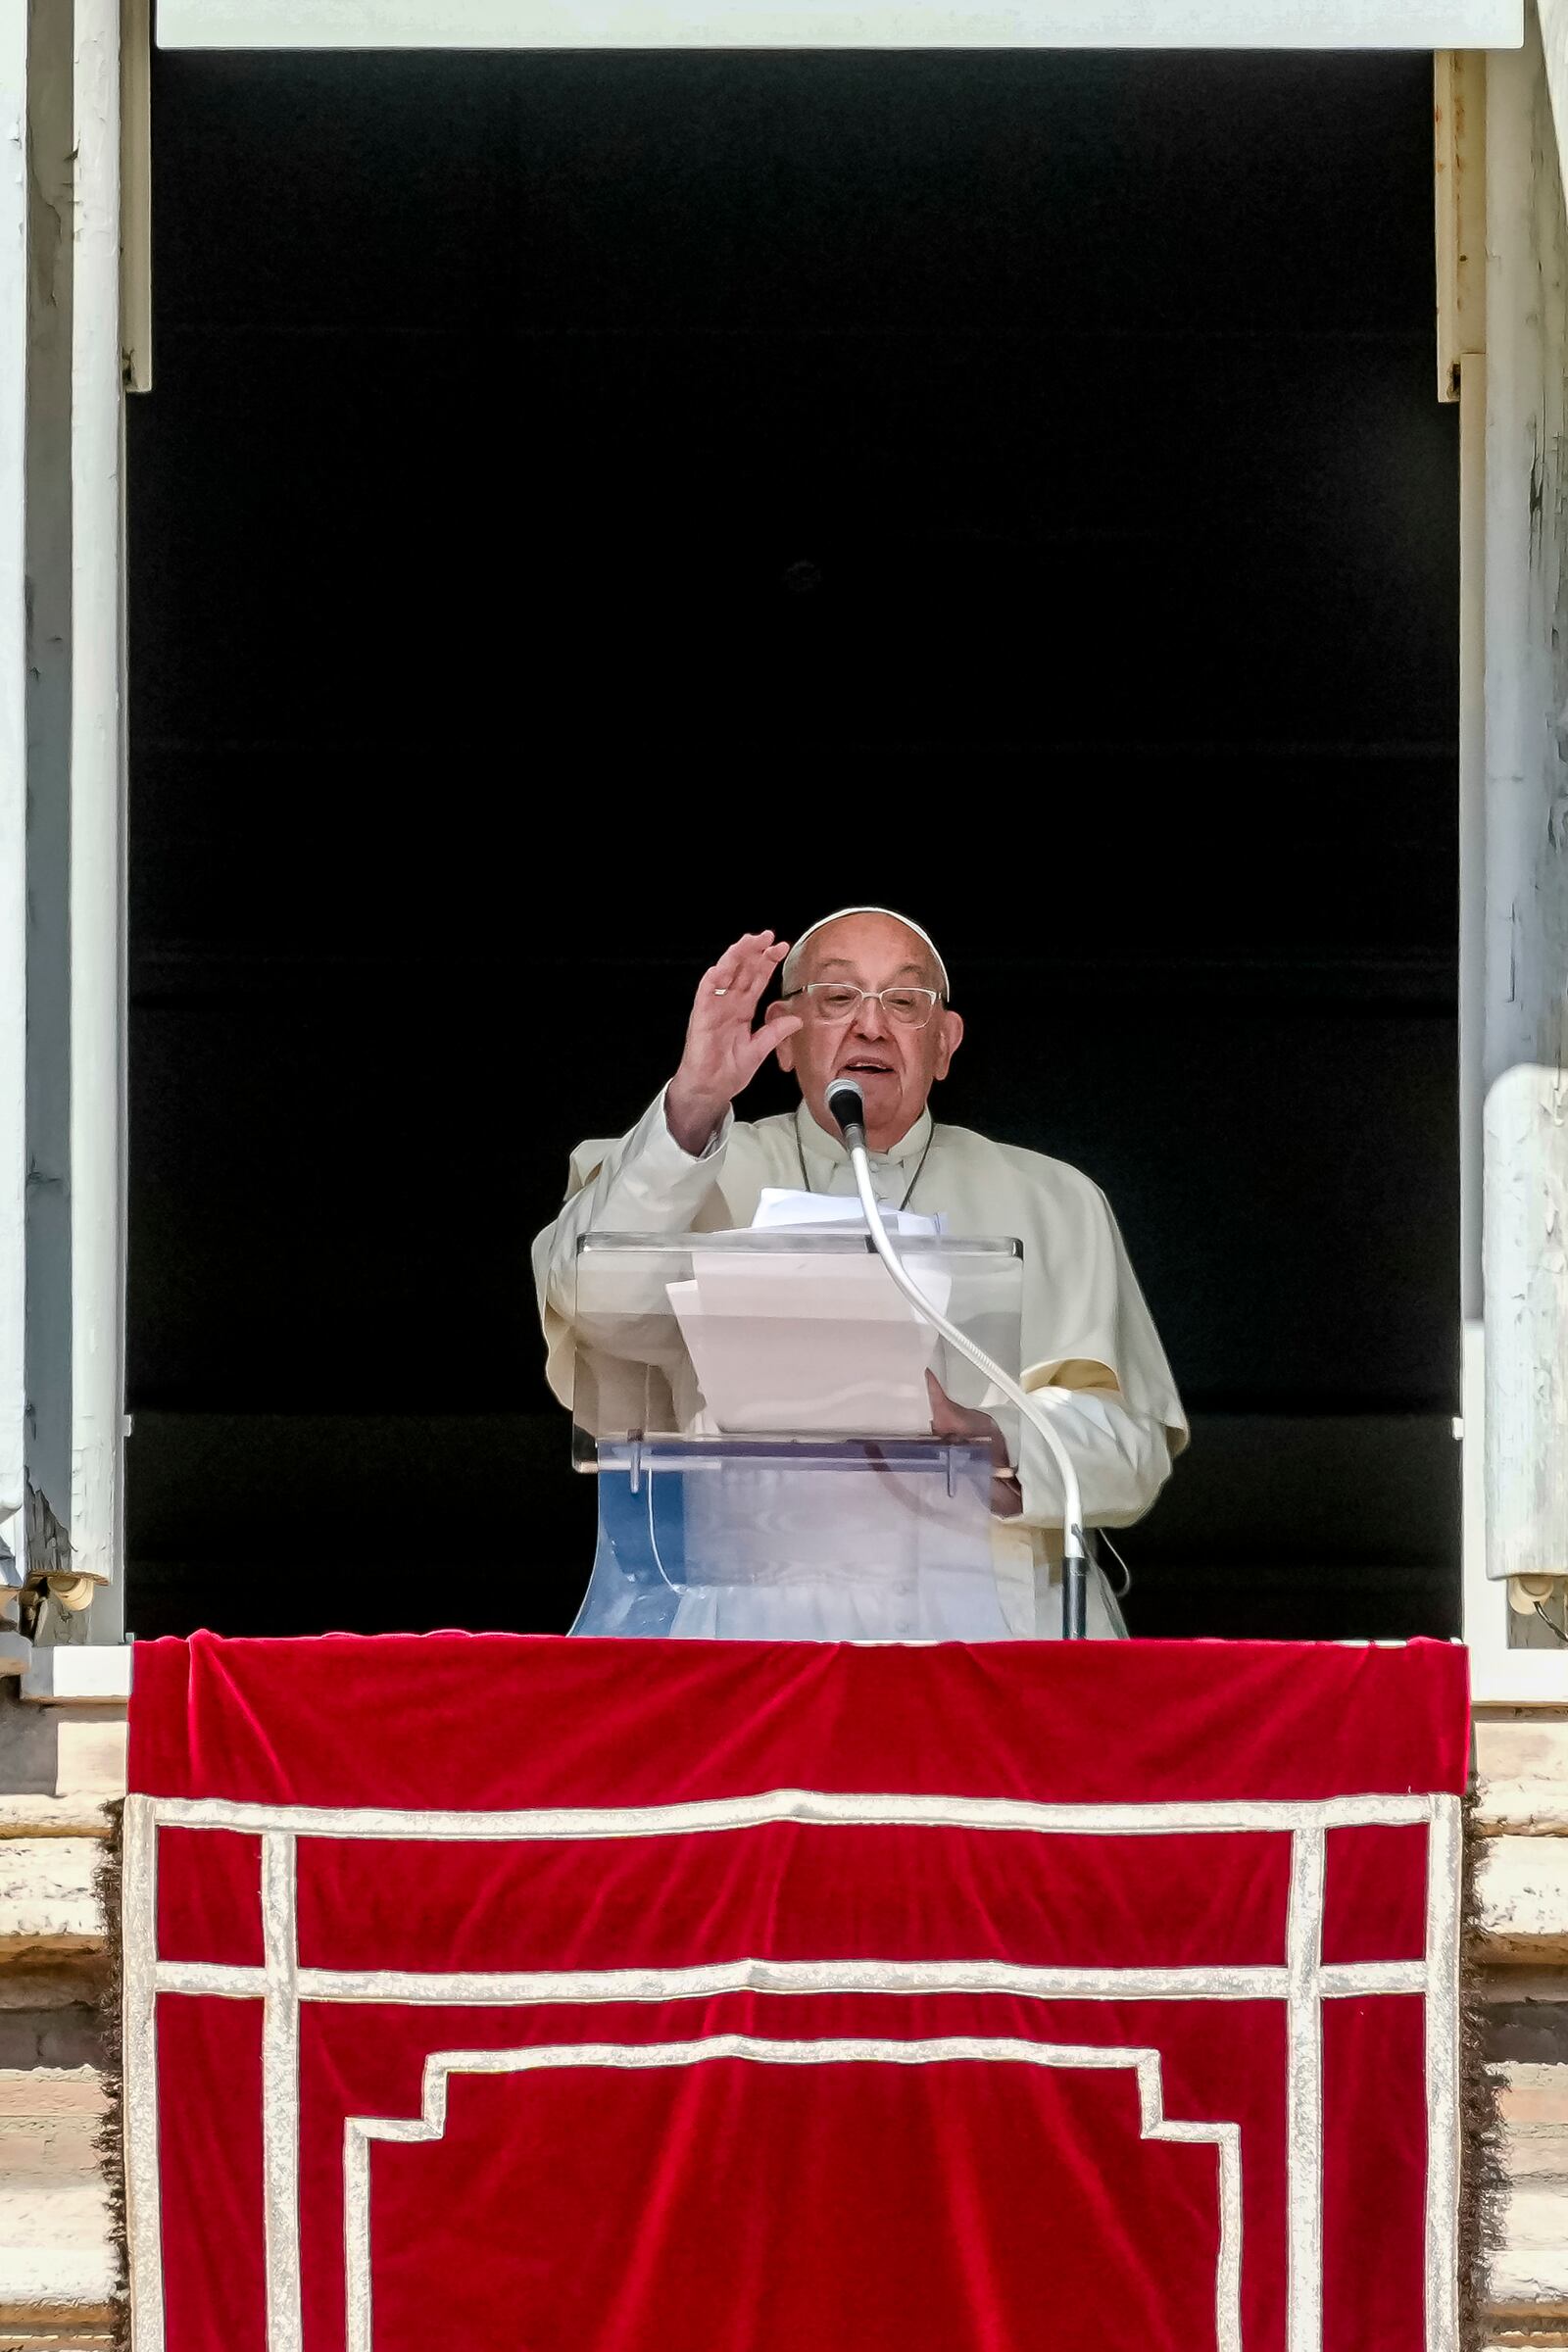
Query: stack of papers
[
  {"x": 788, "y": 1344},
  {"x": 779, "y": 1210}
]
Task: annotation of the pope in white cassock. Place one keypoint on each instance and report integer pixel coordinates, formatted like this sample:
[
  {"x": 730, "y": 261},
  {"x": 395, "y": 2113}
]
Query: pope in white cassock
[{"x": 865, "y": 994}]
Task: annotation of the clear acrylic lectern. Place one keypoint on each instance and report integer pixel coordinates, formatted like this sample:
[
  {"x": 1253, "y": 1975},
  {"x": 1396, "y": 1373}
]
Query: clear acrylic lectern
[{"x": 757, "y": 1411}]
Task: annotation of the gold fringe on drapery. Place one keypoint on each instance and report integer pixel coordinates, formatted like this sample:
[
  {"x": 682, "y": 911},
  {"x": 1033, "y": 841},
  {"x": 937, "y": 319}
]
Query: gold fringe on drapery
[
  {"x": 111, "y": 2139},
  {"x": 1482, "y": 2177}
]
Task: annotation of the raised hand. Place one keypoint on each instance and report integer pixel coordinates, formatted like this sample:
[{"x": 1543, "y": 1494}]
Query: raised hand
[{"x": 724, "y": 1051}]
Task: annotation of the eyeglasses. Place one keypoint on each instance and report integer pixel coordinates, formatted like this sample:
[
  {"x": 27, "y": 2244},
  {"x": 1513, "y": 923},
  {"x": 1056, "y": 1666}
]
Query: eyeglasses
[{"x": 835, "y": 1001}]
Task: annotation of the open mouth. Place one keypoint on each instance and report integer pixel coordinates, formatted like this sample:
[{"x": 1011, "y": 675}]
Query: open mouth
[{"x": 867, "y": 1066}]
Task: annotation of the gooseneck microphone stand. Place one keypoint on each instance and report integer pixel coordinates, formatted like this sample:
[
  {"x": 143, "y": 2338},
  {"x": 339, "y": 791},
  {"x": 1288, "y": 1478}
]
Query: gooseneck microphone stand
[{"x": 847, "y": 1105}]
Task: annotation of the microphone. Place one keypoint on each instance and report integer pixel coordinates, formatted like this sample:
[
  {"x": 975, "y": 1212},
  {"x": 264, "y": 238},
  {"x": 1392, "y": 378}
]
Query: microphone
[{"x": 845, "y": 1107}]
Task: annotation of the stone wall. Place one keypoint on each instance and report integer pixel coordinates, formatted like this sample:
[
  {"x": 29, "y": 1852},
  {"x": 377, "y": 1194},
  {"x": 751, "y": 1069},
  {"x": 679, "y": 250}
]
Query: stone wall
[
  {"x": 62, "y": 1760},
  {"x": 1522, "y": 1768}
]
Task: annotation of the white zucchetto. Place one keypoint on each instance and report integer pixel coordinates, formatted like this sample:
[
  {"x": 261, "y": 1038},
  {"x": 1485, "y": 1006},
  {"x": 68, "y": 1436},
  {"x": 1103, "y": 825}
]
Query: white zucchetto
[{"x": 822, "y": 922}]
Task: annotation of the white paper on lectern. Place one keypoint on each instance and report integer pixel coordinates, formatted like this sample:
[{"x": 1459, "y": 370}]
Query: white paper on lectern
[
  {"x": 781, "y": 1211},
  {"x": 784, "y": 1344}
]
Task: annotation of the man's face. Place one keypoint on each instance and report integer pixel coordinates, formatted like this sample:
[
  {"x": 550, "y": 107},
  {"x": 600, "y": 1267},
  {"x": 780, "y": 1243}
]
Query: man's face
[{"x": 896, "y": 1066}]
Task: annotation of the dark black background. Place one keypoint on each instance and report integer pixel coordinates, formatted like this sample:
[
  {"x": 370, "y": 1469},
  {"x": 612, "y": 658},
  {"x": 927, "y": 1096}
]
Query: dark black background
[{"x": 592, "y": 505}]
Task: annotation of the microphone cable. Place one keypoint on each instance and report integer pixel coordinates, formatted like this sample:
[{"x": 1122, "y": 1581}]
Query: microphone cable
[{"x": 851, "y": 1122}]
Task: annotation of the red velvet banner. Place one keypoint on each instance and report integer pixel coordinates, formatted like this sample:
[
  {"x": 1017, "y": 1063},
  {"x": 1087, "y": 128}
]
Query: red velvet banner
[{"x": 609, "y": 1996}]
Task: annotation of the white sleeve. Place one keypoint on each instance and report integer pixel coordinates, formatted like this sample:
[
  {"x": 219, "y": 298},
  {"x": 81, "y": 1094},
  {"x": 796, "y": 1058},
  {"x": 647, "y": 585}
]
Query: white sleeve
[
  {"x": 645, "y": 1183},
  {"x": 1122, "y": 1458}
]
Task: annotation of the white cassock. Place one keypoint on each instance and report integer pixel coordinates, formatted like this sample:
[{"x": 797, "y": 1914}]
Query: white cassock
[{"x": 1091, "y": 1352}]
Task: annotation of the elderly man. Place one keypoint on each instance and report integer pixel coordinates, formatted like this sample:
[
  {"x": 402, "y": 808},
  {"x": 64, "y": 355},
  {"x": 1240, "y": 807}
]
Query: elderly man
[{"x": 864, "y": 994}]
